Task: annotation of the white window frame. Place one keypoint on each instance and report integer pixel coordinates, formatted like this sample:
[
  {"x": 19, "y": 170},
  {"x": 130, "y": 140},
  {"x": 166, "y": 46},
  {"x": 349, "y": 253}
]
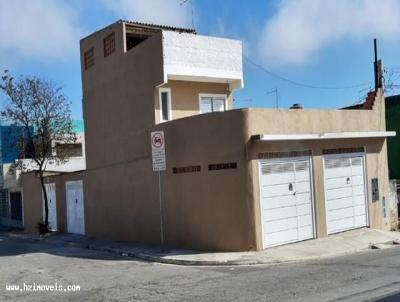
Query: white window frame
[
  {"x": 213, "y": 95},
  {"x": 160, "y": 91}
]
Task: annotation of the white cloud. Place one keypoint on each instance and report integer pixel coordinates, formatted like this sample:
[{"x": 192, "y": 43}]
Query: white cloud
[
  {"x": 38, "y": 29},
  {"x": 299, "y": 28},
  {"x": 165, "y": 12}
]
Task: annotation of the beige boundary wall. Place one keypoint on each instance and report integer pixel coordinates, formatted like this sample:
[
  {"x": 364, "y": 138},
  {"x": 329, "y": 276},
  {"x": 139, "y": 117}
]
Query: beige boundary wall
[{"x": 32, "y": 198}]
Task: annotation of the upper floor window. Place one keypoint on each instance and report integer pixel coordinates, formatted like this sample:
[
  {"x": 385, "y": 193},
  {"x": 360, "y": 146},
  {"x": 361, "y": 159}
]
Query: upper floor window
[
  {"x": 89, "y": 58},
  {"x": 165, "y": 104},
  {"x": 71, "y": 150},
  {"x": 133, "y": 40},
  {"x": 212, "y": 103},
  {"x": 109, "y": 44}
]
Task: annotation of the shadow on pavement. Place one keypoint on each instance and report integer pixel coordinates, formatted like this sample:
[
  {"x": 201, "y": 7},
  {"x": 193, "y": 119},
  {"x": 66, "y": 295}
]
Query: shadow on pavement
[
  {"x": 392, "y": 298},
  {"x": 64, "y": 245}
]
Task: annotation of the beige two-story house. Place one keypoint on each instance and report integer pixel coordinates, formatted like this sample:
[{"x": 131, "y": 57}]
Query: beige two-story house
[{"x": 243, "y": 179}]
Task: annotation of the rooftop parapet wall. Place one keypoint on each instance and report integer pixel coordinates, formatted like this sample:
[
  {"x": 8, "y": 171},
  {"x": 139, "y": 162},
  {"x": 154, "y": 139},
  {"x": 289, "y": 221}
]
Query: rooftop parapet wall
[
  {"x": 300, "y": 121},
  {"x": 194, "y": 57}
]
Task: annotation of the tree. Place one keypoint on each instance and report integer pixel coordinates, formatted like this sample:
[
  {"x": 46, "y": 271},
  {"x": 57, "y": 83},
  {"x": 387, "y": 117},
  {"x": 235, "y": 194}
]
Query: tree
[{"x": 40, "y": 107}]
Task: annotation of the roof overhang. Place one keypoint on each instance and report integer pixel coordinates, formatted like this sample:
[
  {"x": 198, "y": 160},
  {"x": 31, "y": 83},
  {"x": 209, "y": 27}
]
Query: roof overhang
[
  {"x": 234, "y": 83},
  {"x": 319, "y": 136}
]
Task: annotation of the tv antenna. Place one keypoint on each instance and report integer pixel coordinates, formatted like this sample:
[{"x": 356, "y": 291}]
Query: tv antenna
[
  {"x": 276, "y": 96},
  {"x": 183, "y": 2}
]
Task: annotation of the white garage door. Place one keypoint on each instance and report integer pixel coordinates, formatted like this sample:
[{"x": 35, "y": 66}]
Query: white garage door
[
  {"x": 52, "y": 205},
  {"x": 75, "y": 207},
  {"x": 345, "y": 200},
  {"x": 286, "y": 201}
]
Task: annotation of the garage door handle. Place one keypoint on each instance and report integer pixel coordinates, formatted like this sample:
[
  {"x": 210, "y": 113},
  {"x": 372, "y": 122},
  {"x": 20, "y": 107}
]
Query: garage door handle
[
  {"x": 290, "y": 187},
  {"x": 76, "y": 200},
  {"x": 348, "y": 180}
]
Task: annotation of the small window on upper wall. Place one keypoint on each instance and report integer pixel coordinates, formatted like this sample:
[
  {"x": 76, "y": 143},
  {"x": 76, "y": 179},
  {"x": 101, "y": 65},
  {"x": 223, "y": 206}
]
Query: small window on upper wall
[
  {"x": 165, "y": 104},
  {"x": 89, "y": 58},
  {"x": 212, "y": 103},
  {"x": 109, "y": 44}
]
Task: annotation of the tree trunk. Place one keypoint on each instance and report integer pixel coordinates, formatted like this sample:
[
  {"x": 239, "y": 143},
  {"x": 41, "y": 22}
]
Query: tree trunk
[{"x": 46, "y": 204}]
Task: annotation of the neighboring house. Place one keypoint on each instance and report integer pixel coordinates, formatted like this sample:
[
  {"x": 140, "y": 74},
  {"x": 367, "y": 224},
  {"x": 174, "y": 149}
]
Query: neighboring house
[
  {"x": 244, "y": 179},
  {"x": 393, "y": 124},
  {"x": 10, "y": 200},
  {"x": 392, "y": 114},
  {"x": 11, "y": 192}
]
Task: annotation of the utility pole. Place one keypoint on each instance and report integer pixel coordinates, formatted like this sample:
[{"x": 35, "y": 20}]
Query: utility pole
[{"x": 276, "y": 96}]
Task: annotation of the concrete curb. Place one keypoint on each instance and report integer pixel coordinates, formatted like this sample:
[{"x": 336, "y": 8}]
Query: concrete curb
[
  {"x": 160, "y": 259},
  {"x": 185, "y": 262},
  {"x": 30, "y": 237}
]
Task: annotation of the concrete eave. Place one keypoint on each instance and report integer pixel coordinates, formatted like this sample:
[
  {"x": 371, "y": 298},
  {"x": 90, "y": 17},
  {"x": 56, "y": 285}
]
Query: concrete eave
[
  {"x": 318, "y": 136},
  {"x": 234, "y": 83}
]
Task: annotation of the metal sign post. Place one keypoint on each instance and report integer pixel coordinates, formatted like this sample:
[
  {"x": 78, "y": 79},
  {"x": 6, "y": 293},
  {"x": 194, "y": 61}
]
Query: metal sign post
[
  {"x": 159, "y": 164},
  {"x": 161, "y": 216}
]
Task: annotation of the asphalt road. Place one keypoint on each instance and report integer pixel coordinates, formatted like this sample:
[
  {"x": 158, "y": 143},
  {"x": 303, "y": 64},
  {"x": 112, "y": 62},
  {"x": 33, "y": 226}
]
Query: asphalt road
[{"x": 371, "y": 276}]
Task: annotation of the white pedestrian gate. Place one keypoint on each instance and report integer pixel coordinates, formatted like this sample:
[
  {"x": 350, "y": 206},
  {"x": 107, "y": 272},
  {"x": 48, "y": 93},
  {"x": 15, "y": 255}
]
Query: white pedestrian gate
[
  {"x": 286, "y": 201},
  {"x": 75, "y": 207},
  {"x": 345, "y": 197},
  {"x": 52, "y": 205}
]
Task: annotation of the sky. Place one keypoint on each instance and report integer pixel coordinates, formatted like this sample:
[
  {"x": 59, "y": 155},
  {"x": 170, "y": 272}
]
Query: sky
[{"x": 318, "y": 53}]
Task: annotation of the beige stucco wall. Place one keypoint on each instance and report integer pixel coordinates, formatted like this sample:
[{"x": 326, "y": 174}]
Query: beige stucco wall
[
  {"x": 207, "y": 210},
  {"x": 32, "y": 199},
  {"x": 185, "y": 97},
  {"x": 119, "y": 105},
  {"x": 120, "y": 202}
]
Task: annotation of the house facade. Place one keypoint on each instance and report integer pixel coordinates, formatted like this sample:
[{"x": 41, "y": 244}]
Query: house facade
[
  {"x": 244, "y": 179},
  {"x": 17, "y": 198}
]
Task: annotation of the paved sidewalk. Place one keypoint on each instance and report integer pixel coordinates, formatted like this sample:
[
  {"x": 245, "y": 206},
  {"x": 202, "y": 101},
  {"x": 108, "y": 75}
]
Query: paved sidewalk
[{"x": 335, "y": 245}]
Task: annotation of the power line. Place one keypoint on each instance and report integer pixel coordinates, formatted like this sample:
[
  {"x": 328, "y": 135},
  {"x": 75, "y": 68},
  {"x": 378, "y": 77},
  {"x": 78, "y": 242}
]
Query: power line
[{"x": 273, "y": 74}]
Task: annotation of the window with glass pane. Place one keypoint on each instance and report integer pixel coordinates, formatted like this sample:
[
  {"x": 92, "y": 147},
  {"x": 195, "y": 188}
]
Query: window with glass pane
[
  {"x": 212, "y": 104},
  {"x": 164, "y": 106},
  {"x": 206, "y": 105},
  {"x": 218, "y": 104}
]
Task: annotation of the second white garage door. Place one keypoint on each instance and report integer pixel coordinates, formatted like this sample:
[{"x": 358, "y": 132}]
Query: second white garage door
[
  {"x": 345, "y": 200},
  {"x": 286, "y": 201}
]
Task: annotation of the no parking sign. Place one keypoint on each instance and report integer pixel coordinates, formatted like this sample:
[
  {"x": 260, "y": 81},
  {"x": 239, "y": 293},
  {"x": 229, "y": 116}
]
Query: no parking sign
[{"x": 158, "y": 151}]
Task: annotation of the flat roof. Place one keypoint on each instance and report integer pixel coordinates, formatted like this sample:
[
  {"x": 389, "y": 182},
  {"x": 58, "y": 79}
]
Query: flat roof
[{"x": 318, "y": 136}]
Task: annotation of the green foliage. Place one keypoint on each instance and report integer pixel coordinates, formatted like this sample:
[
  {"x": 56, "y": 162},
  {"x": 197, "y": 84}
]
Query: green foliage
[
  {"x": 39, "y": 106},
  {"x": 393, "y": 124}
]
